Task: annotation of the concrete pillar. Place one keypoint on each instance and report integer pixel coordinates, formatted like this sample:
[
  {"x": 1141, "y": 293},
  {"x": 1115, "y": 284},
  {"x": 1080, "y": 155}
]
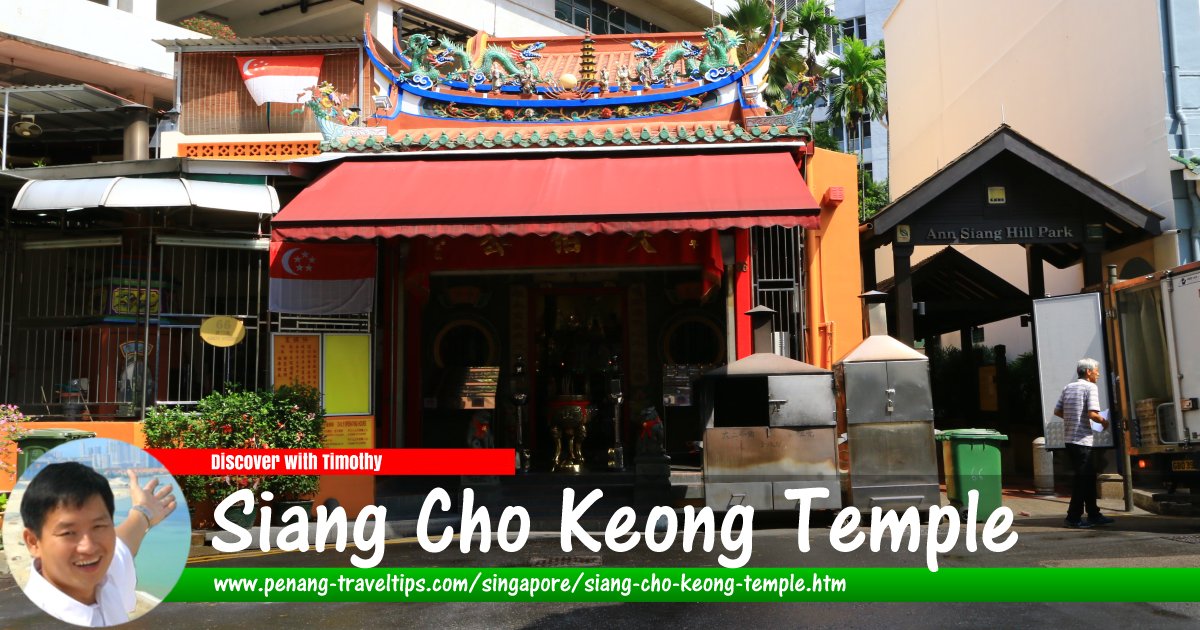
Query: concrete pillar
[
  {"x": 137, "y": 132},
  {"x": 381, "y": 20},
  {"x": 1043, "y": 467},
  {"x": 146, "y": 9}
]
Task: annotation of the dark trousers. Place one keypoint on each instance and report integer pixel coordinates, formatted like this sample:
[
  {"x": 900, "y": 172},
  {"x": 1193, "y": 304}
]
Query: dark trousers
[{"x": 1083, "y": 486}]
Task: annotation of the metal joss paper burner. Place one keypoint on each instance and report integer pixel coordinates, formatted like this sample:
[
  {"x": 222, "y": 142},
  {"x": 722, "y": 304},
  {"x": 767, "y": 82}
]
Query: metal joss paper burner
[
  {"x": 771, "y": 426},
  {"x": 889, "y": 419}
]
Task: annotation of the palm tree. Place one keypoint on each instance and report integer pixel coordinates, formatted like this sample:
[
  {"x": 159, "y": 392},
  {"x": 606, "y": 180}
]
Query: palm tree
[
  {"x": 862, "y": 93},
  {"x": 752, "y": 20},
  {"x": 814, "y": 21}
]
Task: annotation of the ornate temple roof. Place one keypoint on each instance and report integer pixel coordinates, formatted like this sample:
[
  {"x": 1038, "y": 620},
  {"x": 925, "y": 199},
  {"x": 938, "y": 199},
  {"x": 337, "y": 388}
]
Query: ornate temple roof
[{"x": 562, "y": 91}]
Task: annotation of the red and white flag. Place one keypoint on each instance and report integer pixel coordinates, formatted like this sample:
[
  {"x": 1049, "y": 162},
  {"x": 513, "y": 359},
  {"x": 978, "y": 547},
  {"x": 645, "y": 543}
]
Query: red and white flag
[
  {"x": 322, "y": 278},
  {"x": 280, "y": 79}
]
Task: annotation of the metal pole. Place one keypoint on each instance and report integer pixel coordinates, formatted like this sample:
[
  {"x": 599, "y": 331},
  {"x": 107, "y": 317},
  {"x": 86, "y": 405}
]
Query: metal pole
[
  {"x": 1110, "y": 307},
  {"x": 4, "y": 148},
  {"x": 146, "y": 333}
]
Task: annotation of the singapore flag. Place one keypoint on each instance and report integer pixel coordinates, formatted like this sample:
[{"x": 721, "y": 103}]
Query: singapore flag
[
  {"x": 280, "y": 79},
  {"x": 322, "y": 278}
]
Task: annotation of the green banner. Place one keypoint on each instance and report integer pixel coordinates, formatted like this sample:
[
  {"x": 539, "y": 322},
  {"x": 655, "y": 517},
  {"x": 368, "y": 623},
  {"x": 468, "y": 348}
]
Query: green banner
[{"x": 688, "y": 585}]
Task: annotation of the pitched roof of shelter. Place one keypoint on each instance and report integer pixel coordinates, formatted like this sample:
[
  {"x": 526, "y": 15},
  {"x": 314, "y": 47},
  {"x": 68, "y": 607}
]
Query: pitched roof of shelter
[{"x": 958, "y": 293}]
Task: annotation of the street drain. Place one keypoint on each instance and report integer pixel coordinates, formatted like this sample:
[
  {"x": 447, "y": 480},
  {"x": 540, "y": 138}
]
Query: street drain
[
  {"x": 1190, "y": 538},
  {"x": 564, "y": 562}
]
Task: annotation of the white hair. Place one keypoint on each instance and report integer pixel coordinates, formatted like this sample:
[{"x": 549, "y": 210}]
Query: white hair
[{"x": 1086, "y": 365}]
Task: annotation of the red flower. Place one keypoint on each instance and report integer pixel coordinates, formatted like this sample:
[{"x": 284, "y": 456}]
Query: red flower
[
  {"x": 606, "y": 113},
  {"x": 509, "y": 114},
  {"x": 226, "y": 429}
]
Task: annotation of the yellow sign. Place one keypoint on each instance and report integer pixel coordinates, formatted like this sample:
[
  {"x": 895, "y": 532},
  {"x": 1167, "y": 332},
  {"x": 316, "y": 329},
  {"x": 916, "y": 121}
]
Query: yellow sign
[
  {"x": 351, "y": 432},
  {"x": 903, "y": 234},
  {"x": 222, "y": 331},
  {"x": 132, "y": 301},
  {"x": 298, "y": 360},
  {"x": 996, "y": 195}
]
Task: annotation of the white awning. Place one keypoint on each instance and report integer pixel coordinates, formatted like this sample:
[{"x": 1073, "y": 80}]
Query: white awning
[{"x": 132, "y": 192}]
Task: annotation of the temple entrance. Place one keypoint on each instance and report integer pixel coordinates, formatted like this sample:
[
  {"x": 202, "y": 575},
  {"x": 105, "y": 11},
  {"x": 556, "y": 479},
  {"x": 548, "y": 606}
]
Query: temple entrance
[
  {"x": 580, "y": 343},
  {"x": 598, "y": 348}
]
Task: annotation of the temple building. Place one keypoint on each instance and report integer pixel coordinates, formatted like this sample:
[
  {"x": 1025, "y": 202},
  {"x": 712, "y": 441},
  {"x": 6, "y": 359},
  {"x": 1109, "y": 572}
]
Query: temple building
[{"x": 519, "y": 242}]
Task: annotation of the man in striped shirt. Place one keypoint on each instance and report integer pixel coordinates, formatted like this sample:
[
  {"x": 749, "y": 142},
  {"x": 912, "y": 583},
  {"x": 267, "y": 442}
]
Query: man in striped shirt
[{"x": 1079, "y": 406}]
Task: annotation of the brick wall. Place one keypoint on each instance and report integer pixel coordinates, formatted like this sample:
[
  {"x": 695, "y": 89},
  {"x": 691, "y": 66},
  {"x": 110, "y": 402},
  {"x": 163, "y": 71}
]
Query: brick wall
[{"x": 215, "y": 100}]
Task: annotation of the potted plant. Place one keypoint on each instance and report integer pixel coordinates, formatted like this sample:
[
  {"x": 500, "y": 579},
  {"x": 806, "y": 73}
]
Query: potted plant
[
  {"x": 11, "y": 430},
  {"x": 299, "y": 423},
  {"x": 287, "y": 418},
  {"x": 208, "y": 26}
]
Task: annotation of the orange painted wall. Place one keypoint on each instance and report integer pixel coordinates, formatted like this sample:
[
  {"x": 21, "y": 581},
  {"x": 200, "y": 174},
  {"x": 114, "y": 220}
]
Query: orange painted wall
[
  {"x": 130, "y": 432},
  {"x": 833, "y": 265}
]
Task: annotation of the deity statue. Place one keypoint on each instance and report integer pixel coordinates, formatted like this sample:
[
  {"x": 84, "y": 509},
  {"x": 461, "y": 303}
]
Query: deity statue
[{"x": 623, "y": 82}]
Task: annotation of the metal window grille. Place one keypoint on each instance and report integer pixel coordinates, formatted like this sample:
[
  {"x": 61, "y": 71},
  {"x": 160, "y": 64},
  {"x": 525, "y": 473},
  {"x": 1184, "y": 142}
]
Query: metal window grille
[
  {"x": 76, "y": 322},
  {"x": 778, "y": 280},
  {"x": 295, "y": 323}
]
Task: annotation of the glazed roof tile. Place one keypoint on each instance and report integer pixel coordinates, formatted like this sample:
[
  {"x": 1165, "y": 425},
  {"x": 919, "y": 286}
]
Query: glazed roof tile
[{"x": 582, "y": 135}]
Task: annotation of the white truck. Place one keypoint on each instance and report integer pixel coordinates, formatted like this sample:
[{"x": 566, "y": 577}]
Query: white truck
[{"x": 1155, "y": 328}]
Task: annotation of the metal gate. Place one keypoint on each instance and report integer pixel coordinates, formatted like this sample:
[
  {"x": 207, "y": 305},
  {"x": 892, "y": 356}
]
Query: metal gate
[
  {"x": 778, "y": 254},
  {"x": 100, "y": 326}
]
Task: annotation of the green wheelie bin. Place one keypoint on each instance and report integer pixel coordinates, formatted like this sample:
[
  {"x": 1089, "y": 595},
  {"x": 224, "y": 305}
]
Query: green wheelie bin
[
  {"x": 971, "y": 460},
  {"x": 36, "y": 442}
]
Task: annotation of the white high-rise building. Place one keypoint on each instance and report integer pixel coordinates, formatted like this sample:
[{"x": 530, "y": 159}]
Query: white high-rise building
[{"x": 864, "y": 20}]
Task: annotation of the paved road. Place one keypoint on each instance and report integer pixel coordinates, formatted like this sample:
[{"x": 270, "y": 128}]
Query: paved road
[{"x": 1143, "y": 540}]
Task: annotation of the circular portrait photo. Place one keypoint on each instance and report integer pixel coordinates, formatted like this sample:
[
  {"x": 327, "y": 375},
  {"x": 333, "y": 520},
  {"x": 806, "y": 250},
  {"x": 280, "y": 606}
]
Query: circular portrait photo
[{"x": 96, "y": 532}]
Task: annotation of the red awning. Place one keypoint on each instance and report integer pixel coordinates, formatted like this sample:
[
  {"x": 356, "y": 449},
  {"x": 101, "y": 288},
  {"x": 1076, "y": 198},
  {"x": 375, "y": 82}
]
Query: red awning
[{"x": 545, "y": 195}]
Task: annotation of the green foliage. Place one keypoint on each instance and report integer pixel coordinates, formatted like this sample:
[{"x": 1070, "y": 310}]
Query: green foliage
[
  {"x": 822, "y": 136},
  {"x": 954, "y": 393},
  {"x": 813, "y": 20},
  {"x": 947, "y": 374},
  {"x": 795, "y": 58},
  {"x": 208, "y": 26},
  {"x": 752, "y": 20},
  {"x": 290, "y": 417},
  {"x": 875, "y": 197},
  {"x": 862, "y": 93},
  {"x": 1026, "y": 389},
  {"x": 3, "y": 502},
  {"x": 786, "y": 69}
]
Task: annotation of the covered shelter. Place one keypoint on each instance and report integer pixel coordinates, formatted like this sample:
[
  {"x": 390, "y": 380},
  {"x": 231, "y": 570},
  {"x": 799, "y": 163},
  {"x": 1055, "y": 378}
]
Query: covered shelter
[
  {"x": 1005, "y": 189},
  {"x": 955, "y": 293}
]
